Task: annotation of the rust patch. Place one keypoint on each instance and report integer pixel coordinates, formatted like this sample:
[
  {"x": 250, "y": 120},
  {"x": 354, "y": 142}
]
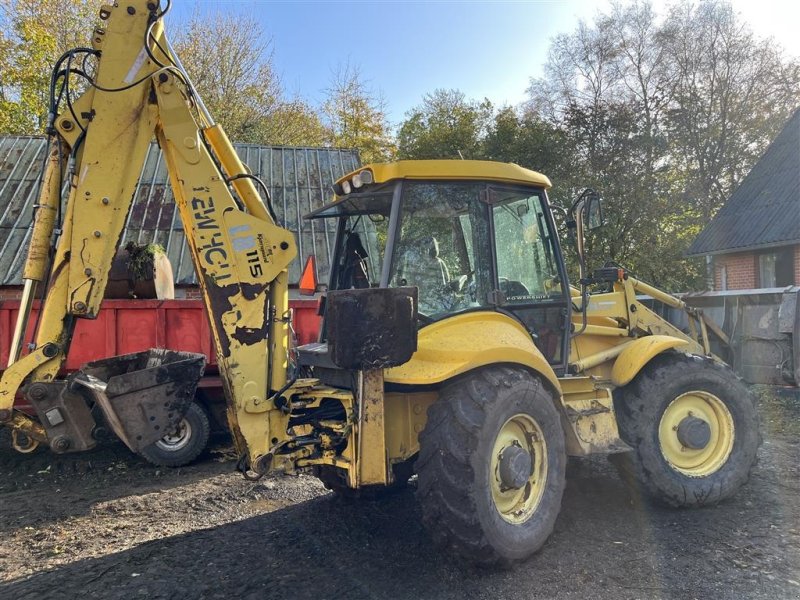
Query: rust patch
[
  {"x": 219, "y": 299},
  {"x": 247, "y": 336},
  {"x": 251, "y": 291}
]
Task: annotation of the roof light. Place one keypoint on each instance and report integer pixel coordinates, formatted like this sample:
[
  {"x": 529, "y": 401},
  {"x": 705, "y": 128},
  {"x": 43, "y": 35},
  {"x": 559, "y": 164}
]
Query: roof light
[
  {"x": 362, "y": 178},
  {"x": 346, "y": 187}
]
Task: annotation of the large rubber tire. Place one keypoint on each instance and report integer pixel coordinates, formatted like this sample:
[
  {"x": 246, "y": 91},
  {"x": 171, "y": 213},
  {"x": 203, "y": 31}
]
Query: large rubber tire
[
  {"x": 185, "y": 445},
  {"x": 455, "y": 485},
  {"x": 641, "y": 406}
]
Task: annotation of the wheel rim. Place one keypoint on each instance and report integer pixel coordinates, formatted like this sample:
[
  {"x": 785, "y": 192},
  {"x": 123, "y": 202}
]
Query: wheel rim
[
  {"x": 177, "y": 439},
  {"x": 705, "y": 452},
  {"x": 520, "y": 437}
]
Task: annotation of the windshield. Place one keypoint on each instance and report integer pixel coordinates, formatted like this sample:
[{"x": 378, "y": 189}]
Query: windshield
[{"x": 443, "y": 246}]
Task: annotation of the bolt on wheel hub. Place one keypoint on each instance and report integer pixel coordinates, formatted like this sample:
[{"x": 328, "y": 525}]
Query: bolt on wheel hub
[
  {"x": 177, "y": 439},
  {"x": 516, "y": 466}
]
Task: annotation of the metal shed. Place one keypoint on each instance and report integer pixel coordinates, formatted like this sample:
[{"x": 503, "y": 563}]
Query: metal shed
[{"x": 299, "y": 181}]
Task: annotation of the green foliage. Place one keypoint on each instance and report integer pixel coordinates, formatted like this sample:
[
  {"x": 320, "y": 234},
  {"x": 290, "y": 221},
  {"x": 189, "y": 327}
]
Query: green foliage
[
  {"x": 445, "y": 125},
  {"x": 355, "y": 116},
  {"x": 34, "y": 34},
  {"x": 141, "y": 260}
]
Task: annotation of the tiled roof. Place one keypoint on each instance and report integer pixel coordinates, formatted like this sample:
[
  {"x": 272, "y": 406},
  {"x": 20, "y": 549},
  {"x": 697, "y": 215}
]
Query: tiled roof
[{"x": 764, "y": 210}]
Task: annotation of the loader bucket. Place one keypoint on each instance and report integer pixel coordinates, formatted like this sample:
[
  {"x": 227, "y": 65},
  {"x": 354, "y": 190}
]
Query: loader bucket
[{"x": 144, "y": 395}]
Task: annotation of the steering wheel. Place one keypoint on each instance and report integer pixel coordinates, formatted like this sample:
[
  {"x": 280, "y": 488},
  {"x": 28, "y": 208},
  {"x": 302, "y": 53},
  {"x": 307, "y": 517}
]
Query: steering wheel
[{"x": 512, "y": 287}]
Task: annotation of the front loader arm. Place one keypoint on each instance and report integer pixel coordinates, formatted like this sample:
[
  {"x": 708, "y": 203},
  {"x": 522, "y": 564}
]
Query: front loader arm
[{"x": 240, "y": 254}]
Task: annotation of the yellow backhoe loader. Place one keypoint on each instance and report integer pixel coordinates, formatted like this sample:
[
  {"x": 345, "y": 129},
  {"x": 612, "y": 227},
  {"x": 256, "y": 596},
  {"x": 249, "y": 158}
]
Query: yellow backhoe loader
[{"x": 453, "y": 346}]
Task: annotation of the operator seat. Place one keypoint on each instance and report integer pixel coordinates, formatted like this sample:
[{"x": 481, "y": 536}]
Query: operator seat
[{"x": 421, "y": 266}]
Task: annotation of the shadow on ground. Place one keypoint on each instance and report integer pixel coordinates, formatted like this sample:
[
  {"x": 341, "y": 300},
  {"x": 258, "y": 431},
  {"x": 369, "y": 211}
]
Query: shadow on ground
[{"x": 607, "y": 544}]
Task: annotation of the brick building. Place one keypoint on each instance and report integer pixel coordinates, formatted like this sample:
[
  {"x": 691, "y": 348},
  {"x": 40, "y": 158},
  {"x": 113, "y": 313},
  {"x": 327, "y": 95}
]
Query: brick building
[{"x": 754, "y": 240}]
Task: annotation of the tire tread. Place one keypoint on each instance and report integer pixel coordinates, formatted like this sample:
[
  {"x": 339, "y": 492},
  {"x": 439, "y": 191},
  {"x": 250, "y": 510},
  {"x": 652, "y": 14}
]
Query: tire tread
[
  {"x": 635, "y": 406},
  {"x": 444, "y": 466}
]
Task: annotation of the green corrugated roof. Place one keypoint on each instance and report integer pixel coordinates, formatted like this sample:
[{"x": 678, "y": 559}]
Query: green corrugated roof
[{"x": 299, "y": 181}]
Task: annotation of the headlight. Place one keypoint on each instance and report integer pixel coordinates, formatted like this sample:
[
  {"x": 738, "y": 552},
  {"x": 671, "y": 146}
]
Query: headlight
[{"x": 362, "y": 178}]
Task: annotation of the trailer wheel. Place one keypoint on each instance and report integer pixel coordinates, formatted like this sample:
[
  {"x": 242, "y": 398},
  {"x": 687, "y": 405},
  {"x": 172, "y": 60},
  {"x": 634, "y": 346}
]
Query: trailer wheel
[
  {"x": 491, "y": 466},
  {"x": 183, "y": 445},
  {"x": 693, "y": 427}
]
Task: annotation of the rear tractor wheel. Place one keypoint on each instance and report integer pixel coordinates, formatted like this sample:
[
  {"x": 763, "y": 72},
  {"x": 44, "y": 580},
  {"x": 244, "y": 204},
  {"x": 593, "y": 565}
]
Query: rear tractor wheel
[
  {"x": 693, "y": 427},
  {"x": 491, "y": 466}
]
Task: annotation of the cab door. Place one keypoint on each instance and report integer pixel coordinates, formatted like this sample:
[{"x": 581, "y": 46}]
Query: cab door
[{"x": 531, "y": 280}]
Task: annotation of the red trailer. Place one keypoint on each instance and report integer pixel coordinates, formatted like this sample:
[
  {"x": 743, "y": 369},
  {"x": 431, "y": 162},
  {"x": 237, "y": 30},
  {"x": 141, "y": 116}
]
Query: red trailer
[{"x": 127, "y": 326}]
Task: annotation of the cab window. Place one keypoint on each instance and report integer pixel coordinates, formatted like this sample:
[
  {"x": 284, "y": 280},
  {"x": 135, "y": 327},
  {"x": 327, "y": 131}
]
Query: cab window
[
  {"x": 526, "y": 269},
  {"x": 443, "y": 248}
]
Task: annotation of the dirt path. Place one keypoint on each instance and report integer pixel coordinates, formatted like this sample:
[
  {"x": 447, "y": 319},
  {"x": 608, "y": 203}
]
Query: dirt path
[{"x": 106, "y": 525}]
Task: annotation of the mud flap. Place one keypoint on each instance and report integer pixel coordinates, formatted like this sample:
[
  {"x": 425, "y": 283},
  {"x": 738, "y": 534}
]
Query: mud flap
[{"x": 144, "y": 395}]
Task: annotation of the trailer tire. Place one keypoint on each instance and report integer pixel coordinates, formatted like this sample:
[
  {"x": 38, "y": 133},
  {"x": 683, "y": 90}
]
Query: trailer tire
[
  {"x": 185, "y": 444},
  {"x": 693, "y": 427},
  {"x": 492, "y": 466}
]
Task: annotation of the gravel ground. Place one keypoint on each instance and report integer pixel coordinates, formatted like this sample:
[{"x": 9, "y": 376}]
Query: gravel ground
[{"x": 107, "y": 525}]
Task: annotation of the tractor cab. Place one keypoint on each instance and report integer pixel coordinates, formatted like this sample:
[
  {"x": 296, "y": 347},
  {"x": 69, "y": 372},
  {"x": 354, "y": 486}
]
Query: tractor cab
[{"x": 469, "y": 235}]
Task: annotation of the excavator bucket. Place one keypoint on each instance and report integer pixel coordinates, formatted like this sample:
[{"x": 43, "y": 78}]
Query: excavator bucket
[{"x": 144, "y": 395}]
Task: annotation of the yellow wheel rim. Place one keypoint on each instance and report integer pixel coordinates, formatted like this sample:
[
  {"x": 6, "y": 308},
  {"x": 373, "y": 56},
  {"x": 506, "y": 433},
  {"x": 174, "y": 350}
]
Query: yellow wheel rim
[
  {"x": 718, "y": 430},
  {"x": 517, "y": 502}
]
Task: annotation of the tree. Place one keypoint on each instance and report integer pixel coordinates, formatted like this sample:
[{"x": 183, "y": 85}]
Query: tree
[
  {"x": 228, "y": 57},
  {"x": 35, "y": 33},
  {"x": 445, "y": 125},
  {"x": 731, "y": 94},
  {"x": 355, "y": 116},
  {"x": 294, "y": 123},
  {"x": 524, "y": 138},
  {"x": 665, "y": 119},
  {"x": 230, "y": 60}
]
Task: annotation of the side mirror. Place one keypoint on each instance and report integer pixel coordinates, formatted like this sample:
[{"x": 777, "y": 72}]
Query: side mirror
[{"x": 594, "y": 211}]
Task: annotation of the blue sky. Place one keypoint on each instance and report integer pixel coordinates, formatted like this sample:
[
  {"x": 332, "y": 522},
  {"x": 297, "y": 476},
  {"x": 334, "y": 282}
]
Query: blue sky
[{"x": 405, "y": 49}]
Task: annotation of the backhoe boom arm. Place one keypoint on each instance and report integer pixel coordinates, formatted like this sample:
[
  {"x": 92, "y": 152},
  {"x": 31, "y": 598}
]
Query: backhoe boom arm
[{"x": 240, "y": 253}]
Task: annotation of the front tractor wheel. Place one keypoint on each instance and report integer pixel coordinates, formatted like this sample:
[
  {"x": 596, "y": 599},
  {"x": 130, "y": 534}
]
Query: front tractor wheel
[
  {"x": 693, "y": 427},
  {"x": 491, "y": 466}
]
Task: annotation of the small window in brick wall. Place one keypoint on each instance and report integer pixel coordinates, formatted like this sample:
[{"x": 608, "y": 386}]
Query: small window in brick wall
[{"x": 776, "y": 269}]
